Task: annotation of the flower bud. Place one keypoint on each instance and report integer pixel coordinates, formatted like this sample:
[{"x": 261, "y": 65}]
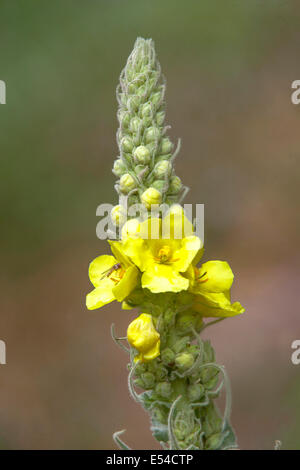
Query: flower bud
[
  {"x": 134, "y": 124},
  {"x": 142, "y": 335},
  {"x": 146, "y": 110},
  {"x": 119, "y": 167},
  {"x": 175, "y": 185},
  {"x": 164, "y": 389},
  {"x": 212, "y": 383},
  {"x": 161, "y": 417},
  {"x": 140, "y": 368},
  {"x": 118, "y": 215},
  {"x": 142, "y": 155},
  {"x": 142, "y": 90},
  {"x": 160, "y": 117},
  {"x": 166, "y": 145},
  {"x": 133, "y": 103},
  {"x": 160, "y": 372},
  {"x": 132, "y": 87},
  {"x": 124, "y": 118},
  {"x": 130, "y": 229},
  {"x": 127, "y": 183},
  {"x": 184, "y": 361},
  {"x": 162, "y": 169},
  {"x": 185, "y": 322},
  {"x": 151, "y": 196},
  {"x": 195, "y": 392},
  {"x": 152, "y": 134},
  {"x": 167, "y": 356},
  {"x": 214, "y": 441},
  {"x": 160, "y": 185},
  {"x": 126, "y": 144},
  {"x": 156, "y": 97},
  {"x": 139, "y": 383},
  {"x": 148, "y": 380}
]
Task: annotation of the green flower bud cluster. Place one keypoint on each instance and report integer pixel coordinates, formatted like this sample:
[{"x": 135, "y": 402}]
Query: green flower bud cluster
[
  {"x": 186, "y": 368},
  {"x": 144, "y": 167}
]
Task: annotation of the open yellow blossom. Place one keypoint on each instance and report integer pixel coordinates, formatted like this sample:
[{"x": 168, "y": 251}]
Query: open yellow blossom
[
  {"x": 142, "y": 335},
  {"x": 211, "y": 283},
  {"x": 160, "y": 255},
  {"x": 114, "y": 278}
]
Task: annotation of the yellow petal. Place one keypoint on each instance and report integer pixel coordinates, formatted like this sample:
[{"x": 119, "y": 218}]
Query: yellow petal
[
  {"x": 163, "y": 278},
  {"x": 198, "y": 256},
  {"x": 150, "y": 354},
  {"x": 142, "y": 335},
  {"x": 217, "y": 276},
  {"x": 99, "y": 267},
  {"x": 176, "y": 225},
  {"x": 139, "y": 252},
  {"x": 126, "y": 306},
  {"x": 127, "y": 283},
  {"x": 216, "y": 305},
  {"x": 100, "y": 296},
  {"x": 184, "y": 256},
  {"x": 150, "y": 229},
  {"x": 118, "y": 251}
]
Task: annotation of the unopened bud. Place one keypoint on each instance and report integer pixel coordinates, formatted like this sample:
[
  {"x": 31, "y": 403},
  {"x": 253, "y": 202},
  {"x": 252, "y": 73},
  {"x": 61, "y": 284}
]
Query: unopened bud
[
  {"x": 195, "y": 392},
  {"x": 148, "y": 379},
  {"x": 142, "y": 90},
  {"x": 134, "y": 124},
  {"x": 156, "y": 97},
  {"x": 214, "y": 441},
  {"x": 124, "y": 118},
  {"x": 175, "y": 185},
  {"x": 139, "y": 383},
  {"x": 160, "y": 372},
  {"x": 133, "y": 103},
  {"x": 146, "y": 110},
  {"x": 150, "y": 197},
  {"x": 164, "y": 389},
  {"x": 119, "y": 167},
  {"x": 185, "y": 322},
  {"x": 127, "y": 183},
  {"x": 152, "y": 134},
  {"x": 126, "y": 144},
  {"x": 167, "y": 356},
  {"x": 160, "y": 117},
  {"x": 118, "y": 215},
  {"x": 142, "y": 155},
  {"x": 162, "y": 169},
  {"x": 184, "y": 361},
  {"x": 166, "y": 145}
]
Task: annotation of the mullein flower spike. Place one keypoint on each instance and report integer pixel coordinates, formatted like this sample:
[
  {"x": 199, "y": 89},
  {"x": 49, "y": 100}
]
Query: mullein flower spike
[{"x": 155, "y": 268}]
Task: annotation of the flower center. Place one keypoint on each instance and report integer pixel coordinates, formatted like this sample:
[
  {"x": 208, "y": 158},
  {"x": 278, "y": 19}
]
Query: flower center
[
  {"x": 116, "y": 275},
  {"x": 164, "y": 254}
]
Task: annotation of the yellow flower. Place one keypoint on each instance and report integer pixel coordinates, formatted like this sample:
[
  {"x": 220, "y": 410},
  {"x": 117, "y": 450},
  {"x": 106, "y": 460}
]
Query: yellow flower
[
  {"x": 161, "y": 254},
  {"x": 211, "y": 283},
  {"x": 114, "y": 278},
  {"x": 142, "y": 335}
]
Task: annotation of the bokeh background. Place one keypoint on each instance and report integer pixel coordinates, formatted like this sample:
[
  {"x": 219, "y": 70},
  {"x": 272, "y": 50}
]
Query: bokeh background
[{"x": 229, "y": 68}]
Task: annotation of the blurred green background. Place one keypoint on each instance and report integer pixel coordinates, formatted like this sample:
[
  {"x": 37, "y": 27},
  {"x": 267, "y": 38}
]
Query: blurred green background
[{"x": 229, "y": 68}]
